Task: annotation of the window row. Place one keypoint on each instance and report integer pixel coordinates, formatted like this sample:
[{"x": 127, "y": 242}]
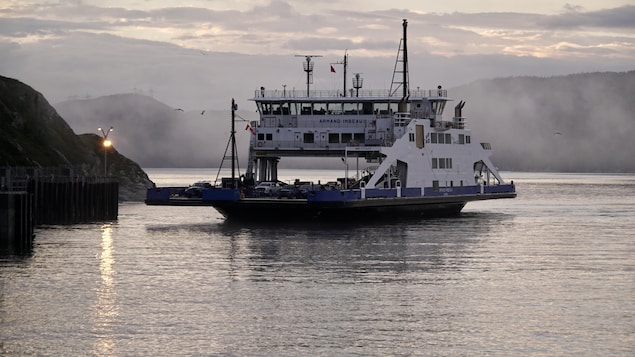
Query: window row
[
  {"x": 441, "y": 162},
  {"x": 333, "y": 138},
  {"x": 323, "y": 108},
  {"x": 446, "y": 138}
]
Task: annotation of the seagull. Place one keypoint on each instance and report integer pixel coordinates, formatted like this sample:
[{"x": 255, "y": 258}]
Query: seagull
[
  {"x": 203, "y": 112},
  {"x": 179, "y": 109},
  {"x": 557, "y": 133}
]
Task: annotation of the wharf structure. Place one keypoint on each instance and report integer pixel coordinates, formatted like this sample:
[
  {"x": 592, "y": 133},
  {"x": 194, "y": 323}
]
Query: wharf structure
[{"x": 31, "y": 197}]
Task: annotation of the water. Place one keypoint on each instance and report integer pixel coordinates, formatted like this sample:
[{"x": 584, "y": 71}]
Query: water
[{"x": 549, "y": 273}]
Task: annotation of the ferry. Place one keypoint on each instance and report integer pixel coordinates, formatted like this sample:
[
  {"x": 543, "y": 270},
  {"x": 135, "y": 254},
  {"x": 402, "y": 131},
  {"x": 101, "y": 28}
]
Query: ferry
[{"x": 419, "y": 161}]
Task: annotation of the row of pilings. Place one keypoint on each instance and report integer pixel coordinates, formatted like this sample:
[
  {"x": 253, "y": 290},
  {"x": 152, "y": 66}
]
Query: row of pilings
[{"x": 31, "y": 197}]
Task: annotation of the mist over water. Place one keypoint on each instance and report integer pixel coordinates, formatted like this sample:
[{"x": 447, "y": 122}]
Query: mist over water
[
  {"x": 548, "y": 273},
  {"x": 576, "y": 123}
]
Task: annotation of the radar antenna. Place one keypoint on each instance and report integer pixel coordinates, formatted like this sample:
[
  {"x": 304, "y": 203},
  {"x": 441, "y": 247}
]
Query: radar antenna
[{"x": 308, "y": 68}]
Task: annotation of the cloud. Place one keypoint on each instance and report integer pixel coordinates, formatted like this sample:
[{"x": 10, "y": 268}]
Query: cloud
[
  {"x": 616, "y": 18},
  {"x": 199, "y": 56}
]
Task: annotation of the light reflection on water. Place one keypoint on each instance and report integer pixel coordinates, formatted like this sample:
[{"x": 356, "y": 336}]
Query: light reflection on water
[
  {"x": 549, "y": 273},
  {"x": 106, "y": 308}
]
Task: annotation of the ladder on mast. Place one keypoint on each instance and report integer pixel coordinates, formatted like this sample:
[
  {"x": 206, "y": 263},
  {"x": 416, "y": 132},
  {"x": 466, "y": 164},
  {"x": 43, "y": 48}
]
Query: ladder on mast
[{"x": 402, "y": 57}]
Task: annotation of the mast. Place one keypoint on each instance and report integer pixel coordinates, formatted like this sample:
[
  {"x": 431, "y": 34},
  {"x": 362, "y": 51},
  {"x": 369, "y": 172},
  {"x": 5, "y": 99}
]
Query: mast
[
  {"x": 402, "y": 56},
  {"x": 233, "y": 144},
  {"x": 345, "y": 65},
  {"x": 405, "y": 59}
]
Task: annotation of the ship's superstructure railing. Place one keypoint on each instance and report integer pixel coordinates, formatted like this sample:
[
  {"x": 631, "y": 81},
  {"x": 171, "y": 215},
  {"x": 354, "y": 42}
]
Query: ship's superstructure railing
[{"x": 366, "y": 93}]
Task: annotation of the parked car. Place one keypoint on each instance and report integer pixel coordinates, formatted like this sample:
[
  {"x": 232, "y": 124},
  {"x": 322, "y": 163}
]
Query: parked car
[
  {"x": 268, "y": 187},
  {"x": 196, "y": 190},
  {"x": 298, "y": 190}
]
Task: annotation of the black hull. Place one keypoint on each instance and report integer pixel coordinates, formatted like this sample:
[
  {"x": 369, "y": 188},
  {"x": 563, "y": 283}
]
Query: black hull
[
  {"x": 283, "y": 209},
  {"x": 276, "y": 209}
]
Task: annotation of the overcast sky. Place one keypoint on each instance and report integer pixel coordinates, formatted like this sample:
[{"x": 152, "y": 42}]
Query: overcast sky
[{"x": 198, "y": 54}]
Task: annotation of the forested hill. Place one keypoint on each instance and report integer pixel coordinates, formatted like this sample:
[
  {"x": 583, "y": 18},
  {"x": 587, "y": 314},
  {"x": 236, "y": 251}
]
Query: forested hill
[{"x": 578, "y": 123}]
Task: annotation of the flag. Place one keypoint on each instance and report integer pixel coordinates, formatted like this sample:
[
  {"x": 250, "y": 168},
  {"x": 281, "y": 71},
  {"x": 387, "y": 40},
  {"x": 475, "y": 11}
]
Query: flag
[
  {"x": 332, "y": 69},
  {"x": 248, "y": 127}
]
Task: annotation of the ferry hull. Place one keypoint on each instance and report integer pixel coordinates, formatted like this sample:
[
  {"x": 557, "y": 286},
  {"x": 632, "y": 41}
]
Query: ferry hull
[
  {"x": 277, "y": 209},
  {"x": 302, "y": 210}
]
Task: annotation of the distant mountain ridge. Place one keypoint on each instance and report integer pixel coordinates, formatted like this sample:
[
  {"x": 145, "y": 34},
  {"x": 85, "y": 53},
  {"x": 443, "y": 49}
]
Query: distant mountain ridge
[
  {"x": 154, "y": 134},
  {"x": 575, "y": 123},
  {"x": 578, "y": 123}
]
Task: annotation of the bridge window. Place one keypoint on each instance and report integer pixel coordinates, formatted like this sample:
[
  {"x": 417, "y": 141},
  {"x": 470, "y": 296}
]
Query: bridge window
[
  {"x": 319, "y": 108},
  {"x": 275, "y": 109},
  {"x": 293, "y": 107},
  {"x": 351, "y": 108},
  {"x": 347, "y": 138},
  {"x": 309, "y": 138},
  {"x": 461, "y": 139},
  {"x": 265, "y": 108},
  {"x": 284, "y": 108},
  {"x": 334, "y": 138},
  {"x": 437, "y": 107},
  {"x": 334, "y": 108},
  {"x": 382, "y": 108}
]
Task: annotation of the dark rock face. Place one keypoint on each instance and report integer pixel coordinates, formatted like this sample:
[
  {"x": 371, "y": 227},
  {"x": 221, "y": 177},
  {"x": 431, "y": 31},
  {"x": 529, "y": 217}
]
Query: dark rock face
[{"x": 32, "y": 134}]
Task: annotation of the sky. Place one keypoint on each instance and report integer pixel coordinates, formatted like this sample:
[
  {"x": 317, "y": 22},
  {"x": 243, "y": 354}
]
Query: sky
[{"x": 199, "y": 54}]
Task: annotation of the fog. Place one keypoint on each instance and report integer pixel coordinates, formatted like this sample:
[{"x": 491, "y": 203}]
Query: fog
[
  {"x": 582, "y": 123},
  {"x": 154, "y": 134}
]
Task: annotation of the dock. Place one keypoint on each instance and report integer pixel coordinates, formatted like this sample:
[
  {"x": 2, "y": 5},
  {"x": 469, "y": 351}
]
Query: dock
[{"x": 31, "y": 197}]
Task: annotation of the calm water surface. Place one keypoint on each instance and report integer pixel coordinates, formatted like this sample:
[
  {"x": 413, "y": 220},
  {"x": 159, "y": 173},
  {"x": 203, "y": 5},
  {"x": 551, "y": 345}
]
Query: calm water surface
[{"x": 549, "y": 273}]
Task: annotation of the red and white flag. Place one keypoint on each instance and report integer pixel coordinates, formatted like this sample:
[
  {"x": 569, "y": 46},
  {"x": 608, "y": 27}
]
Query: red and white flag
[{"x": 248, "y": 127}]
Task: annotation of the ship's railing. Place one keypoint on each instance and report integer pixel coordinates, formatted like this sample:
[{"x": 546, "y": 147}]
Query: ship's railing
[
  {"x": 486, "y": 146},
  {"x": 365, "y": 93}
]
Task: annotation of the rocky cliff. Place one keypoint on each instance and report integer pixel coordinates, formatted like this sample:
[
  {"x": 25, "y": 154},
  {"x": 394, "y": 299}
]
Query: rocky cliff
[{"x": 32, "y": 134}]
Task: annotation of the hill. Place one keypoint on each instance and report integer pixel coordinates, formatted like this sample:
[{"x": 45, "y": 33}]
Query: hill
[
  {"x": 152, "y": 133},
  {"x": 575, "y": 123},
  {"x": 32, "y": 134}
]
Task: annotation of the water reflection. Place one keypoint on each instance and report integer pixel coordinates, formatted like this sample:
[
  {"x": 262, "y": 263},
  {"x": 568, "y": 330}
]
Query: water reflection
[
  {"x": 106, "y": 307},
  {"x": 347, "y": 252}
]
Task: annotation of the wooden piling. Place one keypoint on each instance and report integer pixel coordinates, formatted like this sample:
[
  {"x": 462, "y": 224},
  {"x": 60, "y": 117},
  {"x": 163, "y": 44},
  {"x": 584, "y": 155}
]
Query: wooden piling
[
  {"x": 33, "y": 198},
  {"x": 16, "y": 222}
]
